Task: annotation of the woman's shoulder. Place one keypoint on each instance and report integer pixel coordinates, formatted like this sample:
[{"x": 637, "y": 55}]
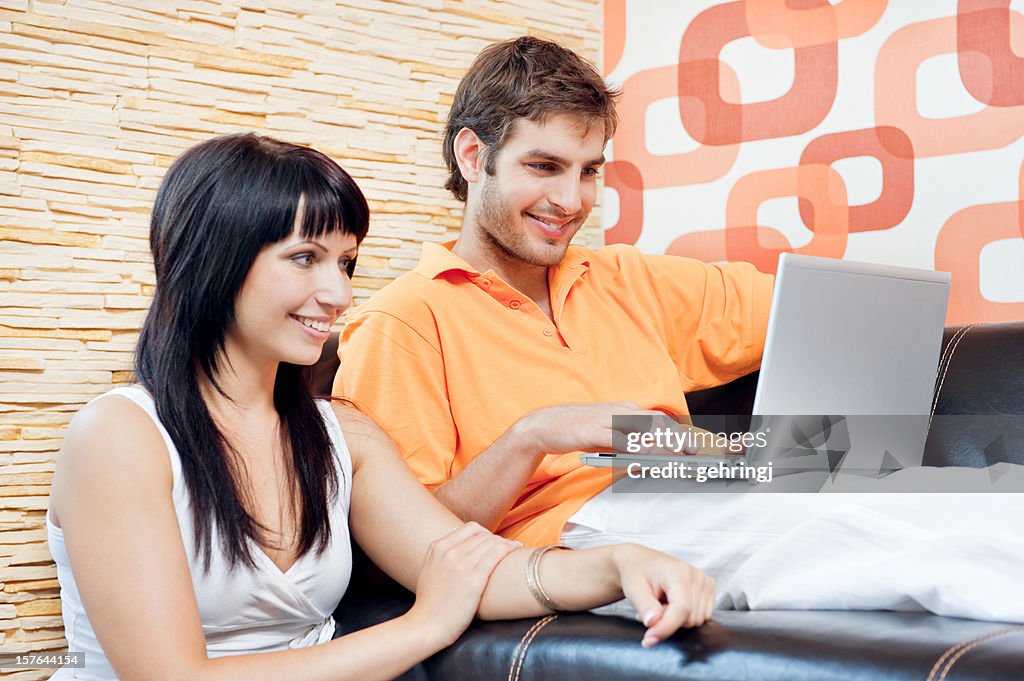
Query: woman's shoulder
[
  {"x": 124, "y": 410},
  {"x": 111, "y": 440},
  {"x": 111, "y": 432},
  {"x": 349, "y": 415},
  {"x": 362, "y": 433}
]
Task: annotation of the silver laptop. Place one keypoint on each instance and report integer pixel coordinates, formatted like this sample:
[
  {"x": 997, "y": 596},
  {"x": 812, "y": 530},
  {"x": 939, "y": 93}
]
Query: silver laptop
[{"x": 855, "y": 342}]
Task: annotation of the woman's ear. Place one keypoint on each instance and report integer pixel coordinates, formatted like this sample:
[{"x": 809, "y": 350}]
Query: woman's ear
[{"x": 469, "y": 155}]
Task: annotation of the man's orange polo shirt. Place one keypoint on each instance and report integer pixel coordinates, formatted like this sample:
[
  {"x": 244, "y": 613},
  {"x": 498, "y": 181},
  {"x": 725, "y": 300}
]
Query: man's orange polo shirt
[{"x": 446, "y": 358}]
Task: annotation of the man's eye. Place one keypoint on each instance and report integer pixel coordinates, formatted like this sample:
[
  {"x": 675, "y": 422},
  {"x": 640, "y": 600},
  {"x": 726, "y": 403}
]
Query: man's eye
[
  {"x": 591, "y": 172},
  {"x": 543, "y": 167},
  {"x": 304, "y": 259}
]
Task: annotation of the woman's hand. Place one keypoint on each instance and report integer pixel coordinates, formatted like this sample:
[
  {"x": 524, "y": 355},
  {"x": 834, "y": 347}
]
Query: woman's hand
[
  {"x": 453, "y": 578},
  {"x": 667, "y": 593}
]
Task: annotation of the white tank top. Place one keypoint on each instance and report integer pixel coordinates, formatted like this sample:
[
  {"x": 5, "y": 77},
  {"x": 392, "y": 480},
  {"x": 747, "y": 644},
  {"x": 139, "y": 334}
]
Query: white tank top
[{"x": 243, "y": 610}]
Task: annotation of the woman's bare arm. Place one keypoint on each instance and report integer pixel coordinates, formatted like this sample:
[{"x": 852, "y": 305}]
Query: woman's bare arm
[{"x": 394, "y": 518}]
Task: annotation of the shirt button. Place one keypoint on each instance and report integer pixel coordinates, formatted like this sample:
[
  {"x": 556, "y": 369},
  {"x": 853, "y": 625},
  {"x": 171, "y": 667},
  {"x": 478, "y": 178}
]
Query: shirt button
[
  {"x": 485, "y": 282},
  {"x": 514, "y": 304},
  {"x": 547, "y": 332}
]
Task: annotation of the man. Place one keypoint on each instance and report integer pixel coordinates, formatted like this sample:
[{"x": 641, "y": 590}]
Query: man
[
  {"x": 504, "y": 353},
  {"x": 463, "y": 360}
]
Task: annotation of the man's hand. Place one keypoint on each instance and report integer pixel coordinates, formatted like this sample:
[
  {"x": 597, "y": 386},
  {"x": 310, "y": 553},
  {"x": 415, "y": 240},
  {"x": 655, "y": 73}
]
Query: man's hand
[
  {"x": 577, "y": 427},
  {"x": 486, "y": 489},
  {"x": 605, "y": 426}
]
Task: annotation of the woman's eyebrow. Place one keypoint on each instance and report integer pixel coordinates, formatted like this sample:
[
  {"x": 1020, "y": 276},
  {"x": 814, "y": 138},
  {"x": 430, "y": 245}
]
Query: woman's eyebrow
[{"x": 310, "y": 242}]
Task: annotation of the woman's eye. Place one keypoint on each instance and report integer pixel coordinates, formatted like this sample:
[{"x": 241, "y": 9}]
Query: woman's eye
[
  {"x": 348, "y": 266},
  {"x": 303, "y": 259}
]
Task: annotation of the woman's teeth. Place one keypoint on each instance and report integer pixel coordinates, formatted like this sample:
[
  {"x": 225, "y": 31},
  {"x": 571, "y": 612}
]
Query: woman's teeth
[{"x": 314, "y": 324}]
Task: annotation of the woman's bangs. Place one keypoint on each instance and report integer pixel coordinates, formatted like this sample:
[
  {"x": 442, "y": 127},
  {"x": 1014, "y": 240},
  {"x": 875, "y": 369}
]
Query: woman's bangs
[
  {"x": 323, "y": 213},
  {"x": 333, "y": 202}
]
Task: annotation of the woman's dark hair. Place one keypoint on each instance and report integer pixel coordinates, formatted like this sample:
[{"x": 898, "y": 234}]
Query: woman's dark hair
[{"x": 219, "y": 204}]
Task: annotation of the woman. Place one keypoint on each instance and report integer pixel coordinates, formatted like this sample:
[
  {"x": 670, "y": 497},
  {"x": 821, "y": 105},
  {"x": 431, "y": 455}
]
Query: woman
[{"x": 200, "y": 519}]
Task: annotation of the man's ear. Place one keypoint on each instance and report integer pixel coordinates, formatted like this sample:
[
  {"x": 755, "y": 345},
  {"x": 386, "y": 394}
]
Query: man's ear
[{"x": 469, "y": 154}]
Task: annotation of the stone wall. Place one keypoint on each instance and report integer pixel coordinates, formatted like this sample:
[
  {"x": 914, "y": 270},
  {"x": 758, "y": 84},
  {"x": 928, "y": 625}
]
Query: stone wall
[{"x": 97, "y": 98}]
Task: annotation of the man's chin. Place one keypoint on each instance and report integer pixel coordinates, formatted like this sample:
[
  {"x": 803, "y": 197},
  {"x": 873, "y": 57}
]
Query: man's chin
[{"x": 550, "y": 254}]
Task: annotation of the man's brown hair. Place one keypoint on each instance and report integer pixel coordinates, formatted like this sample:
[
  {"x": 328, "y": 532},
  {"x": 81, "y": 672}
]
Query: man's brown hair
[{"x": 523, "y": 78}]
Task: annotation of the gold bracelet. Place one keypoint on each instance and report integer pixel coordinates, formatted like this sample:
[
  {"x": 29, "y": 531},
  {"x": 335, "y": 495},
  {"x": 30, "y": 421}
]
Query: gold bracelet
[{"x": 533, "y": 576}]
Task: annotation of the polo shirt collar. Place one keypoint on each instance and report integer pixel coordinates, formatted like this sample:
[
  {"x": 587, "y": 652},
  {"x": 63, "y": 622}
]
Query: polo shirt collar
[
  {"x": 576, "y": 258},
  {"x": 437, "y": 259}
]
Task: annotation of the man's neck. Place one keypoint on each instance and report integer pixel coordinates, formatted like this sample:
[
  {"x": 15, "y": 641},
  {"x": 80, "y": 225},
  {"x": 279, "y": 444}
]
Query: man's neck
[{"x": 531, "y": 280}]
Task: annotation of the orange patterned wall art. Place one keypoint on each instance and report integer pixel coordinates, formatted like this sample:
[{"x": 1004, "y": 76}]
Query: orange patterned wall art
[{"x": 885, "y": 131}]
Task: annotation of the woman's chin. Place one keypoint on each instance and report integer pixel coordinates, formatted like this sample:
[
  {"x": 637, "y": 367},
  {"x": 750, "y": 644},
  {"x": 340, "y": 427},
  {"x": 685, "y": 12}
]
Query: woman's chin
[
  {"x": 303, "y": 356},
  {"x": 302, "y": 361}
]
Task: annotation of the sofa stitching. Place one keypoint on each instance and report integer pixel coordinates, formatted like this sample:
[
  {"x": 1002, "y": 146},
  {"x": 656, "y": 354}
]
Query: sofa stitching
[
  {"x": 515, "y": 654},
  {"x": 952, "y": 649},
  {"x": 945, "y": 355},
  {"x": 953, "y": 343},
  {"x": 943, "y": 362},
  {"x": 524, "y": 643},
  {"x": 960, "y": 649}
]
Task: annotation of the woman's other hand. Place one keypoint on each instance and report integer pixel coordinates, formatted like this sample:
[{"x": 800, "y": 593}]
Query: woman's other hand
[{"x": 455, "y": 573}]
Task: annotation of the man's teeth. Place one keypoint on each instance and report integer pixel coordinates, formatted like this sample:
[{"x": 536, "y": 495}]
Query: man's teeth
[
  {"x": 314, "y": 324},
  {"x": 546, "y": 222}
]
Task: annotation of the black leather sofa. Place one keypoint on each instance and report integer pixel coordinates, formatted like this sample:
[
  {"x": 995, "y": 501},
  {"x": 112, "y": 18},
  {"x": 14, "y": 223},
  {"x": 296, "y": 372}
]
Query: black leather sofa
[{"x": 980, "y": 378}]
